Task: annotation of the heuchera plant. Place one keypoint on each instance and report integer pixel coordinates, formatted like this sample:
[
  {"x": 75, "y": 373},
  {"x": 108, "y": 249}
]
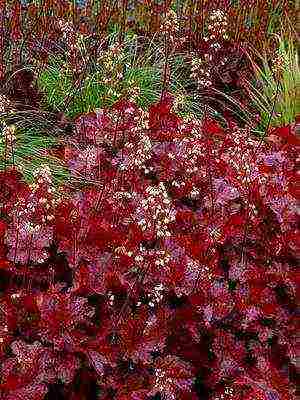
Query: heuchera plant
[{"x": 171, "y": 274}]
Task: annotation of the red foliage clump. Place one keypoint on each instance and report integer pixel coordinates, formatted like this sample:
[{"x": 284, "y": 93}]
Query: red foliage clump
[{"x": 171, "y": 275}]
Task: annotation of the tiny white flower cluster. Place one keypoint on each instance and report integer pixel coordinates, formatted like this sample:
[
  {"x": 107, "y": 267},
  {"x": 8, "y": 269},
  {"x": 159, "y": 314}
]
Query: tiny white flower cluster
[
  {"x": 199, "y": 271},
  {"x": 159, "y": 373},
  {"x": 217, "y": 25},
  {"x": 15, "y": 295},
  {"x": 69, "y": 33},
  {"x": 138, "y": 156},
  {"x": 123, "y": 195},
  {"x": 146, "y": 142},
  {"x": 144, "y": 119},
  {"x": 218, "y": 15},
  {"x": 278, "y": 64},
  {"x": 156, "y": 295},
  {"x": 43, "y": 173},
  {"x": 191, "y": 154},
  {"x": 202, "y": 67},
  {"x": 8, "y": 139},
  {"x": 245, "y": 164},
  {"x": 65, "y": 26},
  {"x": 164, "y": 383},
  {"x": 32, "y": 228},
  {"x": 216, "y": 46},
  {"x": 228, "y": 394},
  {"x": 194, "y": 193},
  {"x": 147, "y": 170},
  {"x": 43, "y": 177},
  {"x": 4, "y": 330},
  {"x": 201, "y": 71},
  {"x": 214, "y": 232},
  {"x": 177, "y": 184},
  {"x": 89, "y": 156},
  {"x": 9, "y": 132},
  {"x": 170, "y": 24},
  {"x": 164, "y": 258},
  {"x": 5, "y": 104},
  {"x": 157, "y": 206}
]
